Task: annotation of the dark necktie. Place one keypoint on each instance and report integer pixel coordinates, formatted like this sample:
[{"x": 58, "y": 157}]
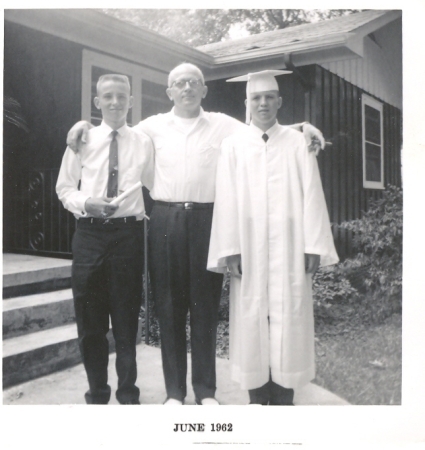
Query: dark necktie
[
  {"x": 113, "y": 166},
  {"x": 265, "y": 137}
]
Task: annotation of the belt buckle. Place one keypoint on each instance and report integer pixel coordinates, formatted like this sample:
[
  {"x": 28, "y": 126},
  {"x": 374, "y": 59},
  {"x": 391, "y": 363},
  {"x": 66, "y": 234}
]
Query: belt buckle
[
  {"x": 106, "y": 221},
  {"x": 188, "y": 205}
]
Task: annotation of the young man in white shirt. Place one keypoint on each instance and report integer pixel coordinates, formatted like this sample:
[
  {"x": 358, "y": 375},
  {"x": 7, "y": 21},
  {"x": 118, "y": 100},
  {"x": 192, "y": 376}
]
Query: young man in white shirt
[
  {"x": 270, "y": 230},
  {"x": 187, "y": 142},
  {"x": 108, "y": 243}
]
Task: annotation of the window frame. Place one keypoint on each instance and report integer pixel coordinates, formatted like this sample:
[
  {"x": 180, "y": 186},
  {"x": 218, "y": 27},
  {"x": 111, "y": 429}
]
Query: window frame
[
  {"x": 116, "y": 65},
  {"x": 377, "y": 105}
]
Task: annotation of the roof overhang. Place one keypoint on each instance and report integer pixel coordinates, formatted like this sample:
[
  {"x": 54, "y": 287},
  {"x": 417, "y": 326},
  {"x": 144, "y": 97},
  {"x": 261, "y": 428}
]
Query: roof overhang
[
  {"x": 328, "y": 48},
  {"x": 104, "y": 33}
]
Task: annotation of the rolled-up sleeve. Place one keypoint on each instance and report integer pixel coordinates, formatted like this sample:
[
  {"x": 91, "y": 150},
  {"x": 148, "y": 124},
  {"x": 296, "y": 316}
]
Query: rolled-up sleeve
[{"x": 67, "y": 185}]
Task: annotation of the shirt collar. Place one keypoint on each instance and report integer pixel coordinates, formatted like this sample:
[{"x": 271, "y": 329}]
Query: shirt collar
[
  {"x": 269, "y": 132},
  {"x": 202, "y": 115},
  {"x": 108, "y": 130}
]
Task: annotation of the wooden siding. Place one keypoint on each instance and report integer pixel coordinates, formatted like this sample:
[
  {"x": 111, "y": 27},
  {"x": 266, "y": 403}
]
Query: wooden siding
[
  {"x": 335, "y": 108},
  {"x": 43, "y": 73},
  {"x": 229, "y": 98},
  {"x": 379, "y": 71}
]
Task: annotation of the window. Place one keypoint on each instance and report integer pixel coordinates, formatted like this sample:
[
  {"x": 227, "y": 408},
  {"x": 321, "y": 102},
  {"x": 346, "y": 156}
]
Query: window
[
  {"x": 96, "y": 64},
  {"x": 373, "y": 145}
]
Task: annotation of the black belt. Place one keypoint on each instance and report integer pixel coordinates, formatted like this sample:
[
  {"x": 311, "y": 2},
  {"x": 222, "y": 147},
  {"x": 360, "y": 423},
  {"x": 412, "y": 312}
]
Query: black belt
[
  {"x": 106, "y": 221},
  {"x": 185, "y": 205}
]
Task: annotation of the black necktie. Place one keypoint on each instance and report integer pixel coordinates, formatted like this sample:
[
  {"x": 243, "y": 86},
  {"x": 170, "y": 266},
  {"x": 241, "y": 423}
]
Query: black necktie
[
  {"x": 113, "y": 166},
  {"x": 265, "y": 137}
]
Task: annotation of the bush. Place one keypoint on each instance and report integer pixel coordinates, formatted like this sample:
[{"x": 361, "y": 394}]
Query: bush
[
  {"x": 332, "y": 292},
  {"x": 377, "y": 266}
]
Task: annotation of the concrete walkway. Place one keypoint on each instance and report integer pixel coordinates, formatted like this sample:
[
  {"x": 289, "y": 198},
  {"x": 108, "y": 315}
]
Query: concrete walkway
[{"x": 68, "y": 386}]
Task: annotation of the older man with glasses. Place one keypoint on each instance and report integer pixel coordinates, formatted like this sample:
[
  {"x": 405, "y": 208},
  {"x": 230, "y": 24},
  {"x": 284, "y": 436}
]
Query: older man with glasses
[{"x": 187, "y": 142}]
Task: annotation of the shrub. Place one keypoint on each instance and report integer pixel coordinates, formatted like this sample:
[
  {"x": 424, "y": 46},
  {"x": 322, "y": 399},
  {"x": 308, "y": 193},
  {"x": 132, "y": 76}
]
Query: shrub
[
  {"x": 332, "y": 292},
  {"x": 377, "y": 266}
]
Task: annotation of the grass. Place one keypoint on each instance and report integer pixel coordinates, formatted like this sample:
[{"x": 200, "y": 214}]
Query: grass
[{"x": 363, "y": 364}]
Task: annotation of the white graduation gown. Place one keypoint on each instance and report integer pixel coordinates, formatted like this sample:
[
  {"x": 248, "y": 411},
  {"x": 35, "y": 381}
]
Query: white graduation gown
[{"x": 270, "y": 208}]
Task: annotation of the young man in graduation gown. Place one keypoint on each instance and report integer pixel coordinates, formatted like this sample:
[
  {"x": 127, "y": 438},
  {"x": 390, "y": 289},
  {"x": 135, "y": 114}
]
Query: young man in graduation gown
[{"x": 270, "y": 230}]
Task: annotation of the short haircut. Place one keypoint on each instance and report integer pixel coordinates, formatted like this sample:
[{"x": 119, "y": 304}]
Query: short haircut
[
  {"x": 113, "y": 77},
  {"x": 189, "y": 66}
]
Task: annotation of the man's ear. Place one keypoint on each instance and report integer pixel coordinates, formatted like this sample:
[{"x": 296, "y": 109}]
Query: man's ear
[
  {"x": 279, "y": 103},
  {"x": 96, "y": 102},
  {"x": 168, "y": 91},
  {"x": 131, "y": 102},
  {"x": 205, "y": 91}
]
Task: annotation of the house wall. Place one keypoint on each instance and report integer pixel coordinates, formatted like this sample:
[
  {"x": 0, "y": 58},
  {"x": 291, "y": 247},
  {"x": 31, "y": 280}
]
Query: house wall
[
  {"x": 43, "y": 74},
  {"x": 379, "y": 71},
  {"x": 335, "y": 108},
  {"x": 229, "y": 98}
]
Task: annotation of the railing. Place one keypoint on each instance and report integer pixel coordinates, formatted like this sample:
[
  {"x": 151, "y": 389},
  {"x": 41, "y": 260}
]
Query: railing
[{"x": 34, "y": 219}]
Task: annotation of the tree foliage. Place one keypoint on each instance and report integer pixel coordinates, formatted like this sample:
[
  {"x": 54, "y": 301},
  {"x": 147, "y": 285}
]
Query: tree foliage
[{"x": 197, "y": 27}]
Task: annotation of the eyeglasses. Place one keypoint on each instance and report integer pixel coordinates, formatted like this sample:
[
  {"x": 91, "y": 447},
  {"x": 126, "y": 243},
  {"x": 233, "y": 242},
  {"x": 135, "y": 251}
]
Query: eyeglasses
[{"x": 181, "y": 84}]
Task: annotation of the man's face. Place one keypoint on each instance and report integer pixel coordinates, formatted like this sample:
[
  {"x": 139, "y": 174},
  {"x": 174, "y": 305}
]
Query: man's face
[
  {"x": 186, "y": 89},
  {"x": 114, "y": 100},
  {"x": 264, "y": 107}
]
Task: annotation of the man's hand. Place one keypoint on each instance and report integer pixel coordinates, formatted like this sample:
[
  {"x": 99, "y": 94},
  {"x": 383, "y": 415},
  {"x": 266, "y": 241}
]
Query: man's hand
[
  {"x": 100, "y": 207},
  {"x": 311, "y": 263},
  {"x": 77, "y": 135},
  {"x": 313, "y": 137},
  {"x": 234, "y": 263}
]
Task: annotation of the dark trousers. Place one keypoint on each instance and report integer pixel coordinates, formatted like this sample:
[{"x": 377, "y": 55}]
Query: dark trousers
[
  {"x": 178, "y": 243},
  {"x": 271, "y": 394},
  {"x": 107, "y": 283}
]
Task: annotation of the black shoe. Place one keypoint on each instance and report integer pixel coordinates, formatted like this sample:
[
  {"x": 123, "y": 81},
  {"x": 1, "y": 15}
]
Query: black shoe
[{"x": 98, "y": 399}]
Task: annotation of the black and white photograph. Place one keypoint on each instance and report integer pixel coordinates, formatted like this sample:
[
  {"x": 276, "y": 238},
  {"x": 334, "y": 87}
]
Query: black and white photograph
[{"x": 213, "y": 207}]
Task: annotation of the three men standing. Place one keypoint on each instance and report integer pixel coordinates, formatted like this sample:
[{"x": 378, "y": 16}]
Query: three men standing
[{"x": 187, "y": 142}]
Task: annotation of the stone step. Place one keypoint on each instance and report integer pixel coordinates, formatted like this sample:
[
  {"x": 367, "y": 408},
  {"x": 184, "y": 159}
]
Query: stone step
[
  {"x": 31, "y": 313},
  {"x": 28, "y": 274},
  {"x": 36, "y": 354}
]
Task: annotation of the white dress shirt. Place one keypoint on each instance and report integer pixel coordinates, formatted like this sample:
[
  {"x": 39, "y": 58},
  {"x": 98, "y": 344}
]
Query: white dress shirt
[
  {"x": 89, "y": 169},
  {"x": 186, "y": 156}
]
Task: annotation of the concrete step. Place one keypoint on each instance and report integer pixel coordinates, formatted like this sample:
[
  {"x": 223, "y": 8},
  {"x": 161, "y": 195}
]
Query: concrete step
[
  {"x": 31, "y": 313},
  {"x": 28, "y": 274},
  {"x": 36, "y": 354}
]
